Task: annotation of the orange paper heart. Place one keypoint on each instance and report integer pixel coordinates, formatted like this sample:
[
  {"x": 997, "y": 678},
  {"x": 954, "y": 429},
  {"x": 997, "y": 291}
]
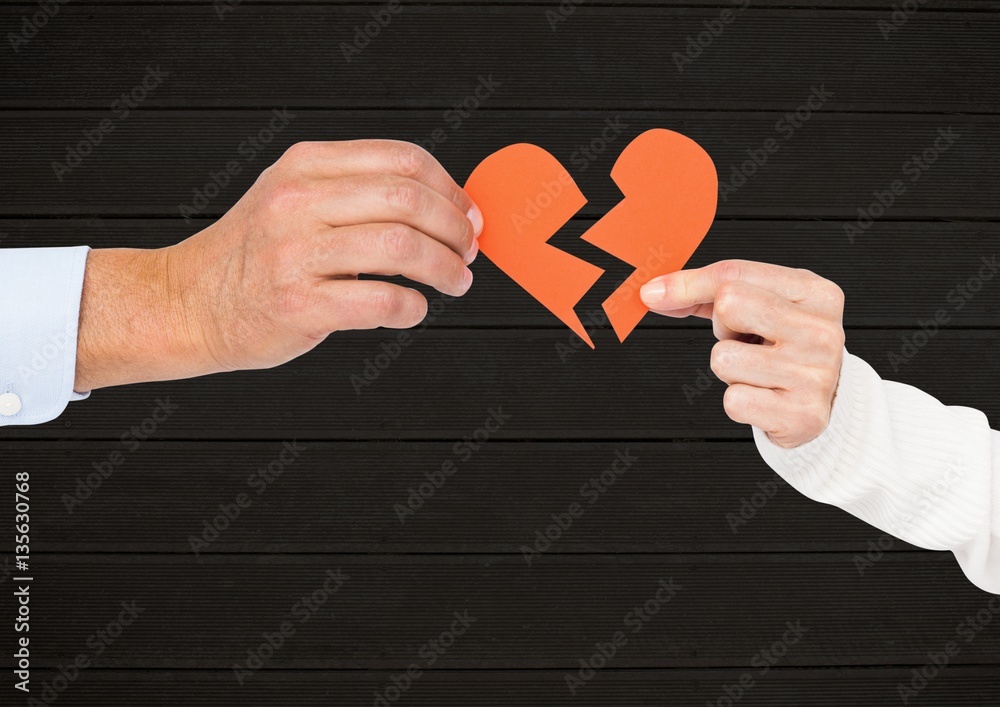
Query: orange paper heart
[
  {"x": 526, "y": 195},
  {"x": 670, "y": 187}
]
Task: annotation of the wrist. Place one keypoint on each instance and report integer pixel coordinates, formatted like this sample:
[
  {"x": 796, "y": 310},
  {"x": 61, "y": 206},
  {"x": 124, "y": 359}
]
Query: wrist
[{"x": 135, "y": 323}]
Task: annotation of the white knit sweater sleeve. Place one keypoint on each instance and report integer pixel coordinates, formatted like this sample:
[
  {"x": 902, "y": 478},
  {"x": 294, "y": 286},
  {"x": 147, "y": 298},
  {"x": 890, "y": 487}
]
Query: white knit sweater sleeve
[{"x": 900, "y": 460}]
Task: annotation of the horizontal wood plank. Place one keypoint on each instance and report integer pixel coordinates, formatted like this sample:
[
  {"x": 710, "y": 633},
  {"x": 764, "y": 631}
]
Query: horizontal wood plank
[
  {"x": 161, "y": 162},
  {"x": 897, "y": 273},
  {"x": 447, "y": 384},
  {"x": 601, "y": 56},
  {"x": 779, "y": 687},
  {"x": 375, "y": 498},
  {"x": 208, "y": 613}
]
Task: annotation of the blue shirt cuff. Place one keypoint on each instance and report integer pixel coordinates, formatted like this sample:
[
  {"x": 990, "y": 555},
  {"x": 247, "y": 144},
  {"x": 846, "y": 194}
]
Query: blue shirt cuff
[{"x": 40, "y": 291}]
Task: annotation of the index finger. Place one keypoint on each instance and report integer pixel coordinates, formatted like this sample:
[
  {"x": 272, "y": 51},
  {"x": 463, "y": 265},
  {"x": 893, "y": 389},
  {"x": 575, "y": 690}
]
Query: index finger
[
  {"x": 333, "y": 160},
  {"x": 690, "y": 290}
]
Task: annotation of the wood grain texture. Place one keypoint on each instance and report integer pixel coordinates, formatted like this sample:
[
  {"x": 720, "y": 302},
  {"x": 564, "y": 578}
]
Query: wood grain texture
[
  {"x": 880, "y": 285},
  {"x": 443, "y": 384},
  {"x": 208, "y": 612},
  {"x": 348, "y": 497},
  {"x": 430, "y": 56},
  {"x": 780, "y": 687},
  {"x": 154, "y": 161}
]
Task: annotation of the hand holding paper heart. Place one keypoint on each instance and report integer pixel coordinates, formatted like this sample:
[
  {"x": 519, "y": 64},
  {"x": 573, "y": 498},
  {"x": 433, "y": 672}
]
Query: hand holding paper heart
[{"x": 786, "y": 386}]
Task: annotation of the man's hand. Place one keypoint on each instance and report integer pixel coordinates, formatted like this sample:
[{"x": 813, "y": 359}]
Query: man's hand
[
  {"x": 279, "y": 272},
  {"x": 781, "y": 340}
]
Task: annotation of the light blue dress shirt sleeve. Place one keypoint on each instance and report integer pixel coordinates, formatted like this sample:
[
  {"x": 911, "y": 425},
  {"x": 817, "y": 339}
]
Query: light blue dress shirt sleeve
[{"x": 40, "y": 290}]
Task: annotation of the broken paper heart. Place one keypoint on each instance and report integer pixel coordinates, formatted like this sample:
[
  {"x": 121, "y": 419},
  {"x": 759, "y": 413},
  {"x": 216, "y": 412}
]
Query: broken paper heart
[{"x": 670, "y": 189}]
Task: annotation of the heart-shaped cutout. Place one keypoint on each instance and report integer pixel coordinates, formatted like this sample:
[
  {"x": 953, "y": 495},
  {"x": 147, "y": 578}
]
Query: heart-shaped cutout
[
  {"x": 526, "y": 195},
  {"x": 671, "y": 191}
]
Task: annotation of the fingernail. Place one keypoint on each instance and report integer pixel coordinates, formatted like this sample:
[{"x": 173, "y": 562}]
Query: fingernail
[
  {"x": 466, "y": 281},
  {"x": 652, "y": 293},
  {"x": 476, "y": 216},
  {"x": 473, "y": 252}
]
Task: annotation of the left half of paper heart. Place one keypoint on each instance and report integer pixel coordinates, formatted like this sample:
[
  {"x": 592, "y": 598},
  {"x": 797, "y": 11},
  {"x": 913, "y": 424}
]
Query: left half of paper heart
[{"x": 526, "y": 196}]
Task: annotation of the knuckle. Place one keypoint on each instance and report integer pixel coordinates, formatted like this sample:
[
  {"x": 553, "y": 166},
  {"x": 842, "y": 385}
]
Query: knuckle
[
  {"x": 386, "y": 302},
  {"x": 813, "y": 419},
  {"x": 408, "y": 160},
  {"x": 399, "y": 242},
  {"x": 817, "y": 382},
  {"x": 727, "y": 299},
  {"x": 285, "y": 197},
  {"x": 466, "y": 236},
  {"x": 456, "y": 269},
  {"x": 722, "y": 358},
  {"x": 730, "y": 270},
  {"x": 836, "y": 294},
  {"x": 825, "y": 289},
  {"x": 293, "y": 302},
  {"x": 829, "y": 337},
  {"x": 404, "y": 196},
  {"x": 735, "y": 403},
  {"x": 300, "y": 153}
]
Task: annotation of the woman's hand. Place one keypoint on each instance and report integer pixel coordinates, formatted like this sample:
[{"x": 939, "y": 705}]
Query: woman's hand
[{"x": 781, "y": 340}]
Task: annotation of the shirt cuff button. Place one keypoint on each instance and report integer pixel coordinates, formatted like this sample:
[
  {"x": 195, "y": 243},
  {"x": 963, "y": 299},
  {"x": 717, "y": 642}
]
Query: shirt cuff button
[{"x": 10, "y": 404}]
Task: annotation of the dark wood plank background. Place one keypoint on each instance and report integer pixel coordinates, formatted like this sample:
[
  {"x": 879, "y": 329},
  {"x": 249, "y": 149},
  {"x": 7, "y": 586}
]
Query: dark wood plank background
[{"x": 570, "y": 409}]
